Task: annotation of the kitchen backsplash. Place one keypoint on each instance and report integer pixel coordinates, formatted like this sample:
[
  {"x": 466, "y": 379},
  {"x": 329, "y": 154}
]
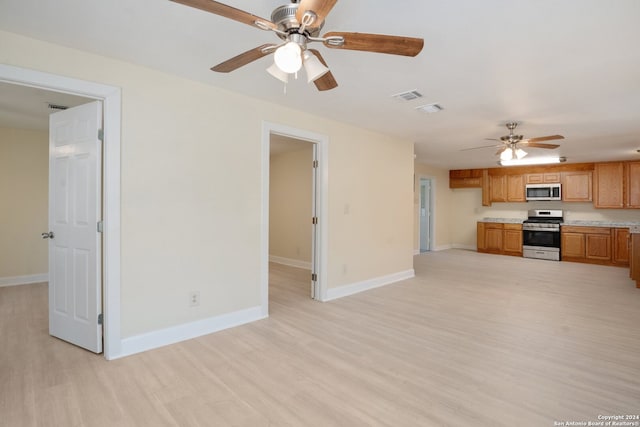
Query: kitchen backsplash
[{"x": 572, "y": 211}]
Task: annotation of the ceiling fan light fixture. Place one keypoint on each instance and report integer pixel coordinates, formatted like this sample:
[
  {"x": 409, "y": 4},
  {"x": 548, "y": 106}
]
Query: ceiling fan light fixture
[
  {"x": 276, "y": 72},
  {"x": 519, "y": 153},
  {"x": 507, "y": 154},
  {"x": 314, "y": 68},
  {"x": 288, "y": 57}
]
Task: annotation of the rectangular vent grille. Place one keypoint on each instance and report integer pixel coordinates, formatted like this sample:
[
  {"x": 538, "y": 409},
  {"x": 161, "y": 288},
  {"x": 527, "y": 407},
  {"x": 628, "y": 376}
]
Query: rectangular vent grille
[
  {"x": 408, "y": 95},
  {"x": 430, "y": 108}
]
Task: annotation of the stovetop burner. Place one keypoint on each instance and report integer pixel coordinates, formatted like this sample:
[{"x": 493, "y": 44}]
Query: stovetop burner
[{"x": 550, "y": 216}]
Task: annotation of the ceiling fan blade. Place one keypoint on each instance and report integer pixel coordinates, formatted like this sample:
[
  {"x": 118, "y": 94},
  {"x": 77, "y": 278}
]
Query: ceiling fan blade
[
  {"x": 243, "y": 59},
  {"x": 228, "y": 12},
  {"x": 539, "y": 145},
  {"x": 484, "y": 146},
  {"x": 545, "y": 138},
  {"x": 491, "y": 139},
  {"x": 500, "y": 151},
  {"x": 320, "y": 7},
  {"x": 326, "y": 81},
  {"x": 379, "y": 43}
]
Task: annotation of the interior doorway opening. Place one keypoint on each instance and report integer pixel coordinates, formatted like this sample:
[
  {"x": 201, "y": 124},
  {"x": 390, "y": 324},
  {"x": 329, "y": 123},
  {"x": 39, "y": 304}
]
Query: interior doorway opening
[
  {"x": 425, "y": 214},
  {"x": 310, "y": 250}
]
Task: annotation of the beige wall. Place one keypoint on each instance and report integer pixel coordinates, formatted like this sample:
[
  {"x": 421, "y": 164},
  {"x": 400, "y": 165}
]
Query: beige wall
[
  {"x": 441, "y": 238},
  {"x": 191, "y": 190},
  {"x": 290, "y": 203},
  {"x": 23, "y": 194}
]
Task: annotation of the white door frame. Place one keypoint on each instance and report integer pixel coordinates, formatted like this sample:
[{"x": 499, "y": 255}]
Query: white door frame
[
  {"x": 322, "y": 143},
  {"x": 111, "y": 98},
  {"x": 432, "y": 201}
]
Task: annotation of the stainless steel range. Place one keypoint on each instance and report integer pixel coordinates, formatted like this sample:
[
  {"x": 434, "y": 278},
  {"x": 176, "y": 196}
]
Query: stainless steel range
[{"x": 541, "y": 234}]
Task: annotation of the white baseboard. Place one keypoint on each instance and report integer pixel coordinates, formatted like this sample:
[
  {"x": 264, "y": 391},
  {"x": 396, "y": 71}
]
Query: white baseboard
[
  {"x": 290, "y": 262},
  {"x": 23, "y": 280},
  {"x": 416, "y": 251},
  {"x": 186, "y": 331},
  {"x": 366, "y": 285}
]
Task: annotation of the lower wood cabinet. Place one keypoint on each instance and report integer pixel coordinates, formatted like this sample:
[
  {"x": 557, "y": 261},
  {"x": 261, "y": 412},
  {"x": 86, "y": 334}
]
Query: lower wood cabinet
[
  {"x": 634, "y": 255},
  {"x": 596, "y": 245},
  {"x": 500, "y": 238}
]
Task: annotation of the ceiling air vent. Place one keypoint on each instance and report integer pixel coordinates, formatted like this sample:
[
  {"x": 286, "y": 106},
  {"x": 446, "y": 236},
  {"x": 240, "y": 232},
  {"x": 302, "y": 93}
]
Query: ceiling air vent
[
  {"x": 56, "y": 107},
  {"x": 409, "y": 95},
  {"x": 430, "y": 108}
]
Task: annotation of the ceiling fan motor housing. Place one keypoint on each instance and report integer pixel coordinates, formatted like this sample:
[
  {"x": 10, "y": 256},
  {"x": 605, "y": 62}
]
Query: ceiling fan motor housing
[{"x": 285, "y": 19}]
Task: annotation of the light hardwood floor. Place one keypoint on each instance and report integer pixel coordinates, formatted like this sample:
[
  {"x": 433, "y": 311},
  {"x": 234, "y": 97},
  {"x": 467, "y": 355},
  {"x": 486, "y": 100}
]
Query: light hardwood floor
[{"x": 473, "y": 340}]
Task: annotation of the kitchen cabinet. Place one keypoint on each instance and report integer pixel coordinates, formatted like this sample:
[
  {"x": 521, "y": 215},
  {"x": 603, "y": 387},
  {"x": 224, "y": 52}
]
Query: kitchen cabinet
[
  {"x": 617, "y": 185},
  {"x": 634, "y": 254},
  {"x": 633, "y": 185},
  {"x": 577, "y": 186},
  {"x": 498, "y": 188},
  {"x": 507, "y": 188},
  {"x": 543, "y": 178},
  {"x": 465, "y": 178},
  {"x": 499, "y": 238},
  {"x": 608, "y": 185},
  {"x": 596, "y": 245},
  {"x": 620, "y": 242},
  {"x": 512, "y": 239}
]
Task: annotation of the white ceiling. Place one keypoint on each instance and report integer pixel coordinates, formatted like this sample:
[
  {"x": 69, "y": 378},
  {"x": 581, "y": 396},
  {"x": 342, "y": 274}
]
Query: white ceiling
[{"x": 569, "y": 67}]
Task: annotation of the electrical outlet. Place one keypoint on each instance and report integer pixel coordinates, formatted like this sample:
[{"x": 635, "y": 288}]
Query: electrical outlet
[{"x": 194, "y": 299}]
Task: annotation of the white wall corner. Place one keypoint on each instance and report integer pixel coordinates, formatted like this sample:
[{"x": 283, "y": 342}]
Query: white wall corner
[
  {"x": 290, "y": 262},
  {"x": 366, "y": 285},
  {"x": 186, "y": 331},
  {"x": 24, "y": 280}
]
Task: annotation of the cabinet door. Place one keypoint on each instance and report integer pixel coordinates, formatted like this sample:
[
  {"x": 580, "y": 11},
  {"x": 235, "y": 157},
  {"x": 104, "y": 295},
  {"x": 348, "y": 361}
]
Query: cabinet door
[
  {"x": 512, "y": 239},
  {"x": 633, "y": 185},
  {"x": 551, "y": 177},
  {"x": 598, "y": 246},
  {"x": 577, "y": 186},
  {"x": 572, "y": 245},
  {"x": 498, "y": 188},
  {"x": 608, "y": 185},
  {"x": 620, "y": 246},
  {"x": 515, "y": 188},
  {"x": 480, "y": 237},
  {"x": 493, "y": 239}
]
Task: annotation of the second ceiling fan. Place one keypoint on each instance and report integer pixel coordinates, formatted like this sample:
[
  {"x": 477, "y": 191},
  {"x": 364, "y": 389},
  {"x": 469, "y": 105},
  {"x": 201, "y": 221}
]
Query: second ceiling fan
[
  {"x": 510, "y": 145},
  {"x": 298, "y": 24}
]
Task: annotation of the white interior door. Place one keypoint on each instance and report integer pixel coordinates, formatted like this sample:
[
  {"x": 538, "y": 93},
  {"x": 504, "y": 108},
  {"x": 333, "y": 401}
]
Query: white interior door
[
  {"x": 315, "y": 284},
  {"x": 75, "y": 256}
]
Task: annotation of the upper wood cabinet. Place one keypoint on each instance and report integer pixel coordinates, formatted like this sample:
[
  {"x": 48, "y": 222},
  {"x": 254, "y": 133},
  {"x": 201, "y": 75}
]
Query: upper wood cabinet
[
  {"x": 498, "y": 188},
  {"x": 507, "y": 188},
  {"x": 543, "y": 178},
  {"x": 577, "y": 186},
  {"x": 608, "y": 185},
  {"x": 515, "y": 188},
  {"x": 633, "y": 185},
  {"x": 465, "y": 178},
  {"x": 616, "y": 185}
]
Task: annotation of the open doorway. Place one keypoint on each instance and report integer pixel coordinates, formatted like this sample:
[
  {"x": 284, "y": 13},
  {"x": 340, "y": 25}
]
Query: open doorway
[
  {"x": 109, "y": 98},
  {"x": 426, "y": 215},
  {"x": 294, "y": 186},
  {"x": 291, "y": 225}
]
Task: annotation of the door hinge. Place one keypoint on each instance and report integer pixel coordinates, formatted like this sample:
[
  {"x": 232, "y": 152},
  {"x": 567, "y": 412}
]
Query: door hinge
[
  {"x": 100, "y": 226},
  {"x": 101, "y": 135},
  {"x": 100, "y": 319},
  {"x": 314, "y": 220},
  {"x": 315, "y": 163},
  {"x": 314, "y": 277}
]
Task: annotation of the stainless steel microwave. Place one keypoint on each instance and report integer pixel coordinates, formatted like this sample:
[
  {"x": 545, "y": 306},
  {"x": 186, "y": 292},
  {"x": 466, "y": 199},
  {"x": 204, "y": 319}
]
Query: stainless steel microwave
[{"x": 543, "y": 192}]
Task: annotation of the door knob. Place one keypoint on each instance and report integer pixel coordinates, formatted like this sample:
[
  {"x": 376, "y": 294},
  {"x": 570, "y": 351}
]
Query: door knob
[{"x": 48, "y": 235}]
